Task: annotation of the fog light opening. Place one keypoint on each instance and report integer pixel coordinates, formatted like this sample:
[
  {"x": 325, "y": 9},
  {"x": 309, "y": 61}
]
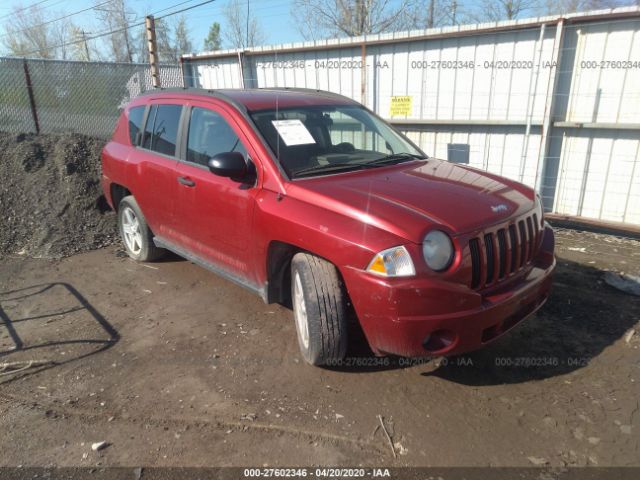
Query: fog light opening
[{"x": 439, "y": 341}]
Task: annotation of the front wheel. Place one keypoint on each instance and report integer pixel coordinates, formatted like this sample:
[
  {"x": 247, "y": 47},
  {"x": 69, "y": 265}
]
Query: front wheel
[{"x": 319, "y": 308}]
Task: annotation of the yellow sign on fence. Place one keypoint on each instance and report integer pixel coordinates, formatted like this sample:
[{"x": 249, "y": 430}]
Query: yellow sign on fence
[{"x": 401, "y": 106}]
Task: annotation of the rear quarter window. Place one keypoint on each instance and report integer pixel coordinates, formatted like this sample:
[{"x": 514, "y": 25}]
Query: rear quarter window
[
  {"x": 136, "y": 115},
  {"x": 161, "y": 131}
]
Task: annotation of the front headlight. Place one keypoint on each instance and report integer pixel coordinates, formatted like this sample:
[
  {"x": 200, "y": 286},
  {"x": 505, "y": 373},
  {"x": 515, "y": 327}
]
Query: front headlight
[
  {"x": 437, "y": 249},
  {"x": 393, "y": 262}
]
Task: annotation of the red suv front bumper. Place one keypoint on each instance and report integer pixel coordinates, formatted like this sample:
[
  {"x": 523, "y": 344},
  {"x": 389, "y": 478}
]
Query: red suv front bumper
[{"x": 394, "y": 313}]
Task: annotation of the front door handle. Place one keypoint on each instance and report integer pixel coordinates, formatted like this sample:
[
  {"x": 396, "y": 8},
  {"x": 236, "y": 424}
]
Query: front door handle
[{"x": 186, "y": 181}]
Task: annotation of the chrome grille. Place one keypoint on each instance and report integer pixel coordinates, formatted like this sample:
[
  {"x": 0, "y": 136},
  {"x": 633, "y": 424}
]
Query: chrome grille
[
  {"x": 488, "y": 245},
  {"x": 504, "y": 251},
  {"x": 476, "y": 260}
]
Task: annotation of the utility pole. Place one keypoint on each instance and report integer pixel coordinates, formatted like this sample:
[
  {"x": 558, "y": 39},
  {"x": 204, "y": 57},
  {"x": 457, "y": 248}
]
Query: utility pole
[
  {"x": 153, "y": 49},
  {"x": 86, "y": 47}
]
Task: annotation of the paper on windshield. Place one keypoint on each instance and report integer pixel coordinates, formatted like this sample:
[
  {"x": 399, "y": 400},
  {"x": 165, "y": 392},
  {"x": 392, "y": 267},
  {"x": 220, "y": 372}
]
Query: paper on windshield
[{"x": 293, "y": 132}]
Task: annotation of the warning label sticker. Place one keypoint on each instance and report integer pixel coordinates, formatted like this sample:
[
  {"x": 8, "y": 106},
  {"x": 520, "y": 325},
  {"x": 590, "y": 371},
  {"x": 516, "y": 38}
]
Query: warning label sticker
[{"x": 401, "y": 106}]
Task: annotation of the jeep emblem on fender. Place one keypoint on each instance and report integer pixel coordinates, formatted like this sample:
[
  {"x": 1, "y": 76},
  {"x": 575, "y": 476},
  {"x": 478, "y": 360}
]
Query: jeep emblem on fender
[{"x": 499, "y": 208}]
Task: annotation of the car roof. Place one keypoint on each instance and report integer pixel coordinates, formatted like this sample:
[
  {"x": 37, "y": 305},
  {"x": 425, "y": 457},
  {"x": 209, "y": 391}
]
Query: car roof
[{"x": 254, "y": 99}]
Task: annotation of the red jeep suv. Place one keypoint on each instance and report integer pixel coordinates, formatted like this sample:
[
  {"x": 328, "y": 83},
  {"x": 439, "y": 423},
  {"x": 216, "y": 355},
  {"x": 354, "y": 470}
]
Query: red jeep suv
[{"x": 308, "y": 197}]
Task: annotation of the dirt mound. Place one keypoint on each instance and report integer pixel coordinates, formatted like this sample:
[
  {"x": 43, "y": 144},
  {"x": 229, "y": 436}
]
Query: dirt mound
[{"x": 51, "y": 202}]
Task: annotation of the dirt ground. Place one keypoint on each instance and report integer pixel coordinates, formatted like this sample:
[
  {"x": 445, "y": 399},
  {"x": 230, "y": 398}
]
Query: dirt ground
[{"x": 174, "y": 366}]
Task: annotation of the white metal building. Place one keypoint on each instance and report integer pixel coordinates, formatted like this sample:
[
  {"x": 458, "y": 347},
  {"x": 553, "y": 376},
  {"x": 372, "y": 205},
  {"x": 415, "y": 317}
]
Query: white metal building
[{"x": 552, "y": 101}]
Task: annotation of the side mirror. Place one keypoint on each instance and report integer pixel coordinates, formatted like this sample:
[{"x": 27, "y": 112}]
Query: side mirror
[{"x": 228, "y": 164}]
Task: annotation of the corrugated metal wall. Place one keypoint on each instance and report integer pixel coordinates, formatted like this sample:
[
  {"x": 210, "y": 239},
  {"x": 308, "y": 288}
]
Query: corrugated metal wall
[
  {"x": 551, "y": 102},
  {"x": 595, "y": 141}
]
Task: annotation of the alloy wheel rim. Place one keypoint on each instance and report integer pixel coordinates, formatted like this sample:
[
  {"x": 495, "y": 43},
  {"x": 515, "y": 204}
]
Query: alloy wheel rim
[
  {"x": 300, "y": 311},
  {"x": 131, "y": 231}
]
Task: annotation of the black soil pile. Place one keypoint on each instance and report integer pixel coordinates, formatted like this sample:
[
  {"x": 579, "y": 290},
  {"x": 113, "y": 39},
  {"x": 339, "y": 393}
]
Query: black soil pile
[{"x": 51, "y": 202}]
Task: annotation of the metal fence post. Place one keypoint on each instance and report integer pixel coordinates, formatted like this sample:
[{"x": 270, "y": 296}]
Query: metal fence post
[
  {"x": 550, "y": 103},
  {"x": 533, "y": 89},
  {"x": 185, "y": 83},
  {"x": 32, "y": 100},
  {"x": 241, "y": 67}
]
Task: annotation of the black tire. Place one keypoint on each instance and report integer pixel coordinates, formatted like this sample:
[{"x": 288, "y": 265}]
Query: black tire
[
  {"x": 326, "y": 310},
  {"x": 147, "y": 251}
]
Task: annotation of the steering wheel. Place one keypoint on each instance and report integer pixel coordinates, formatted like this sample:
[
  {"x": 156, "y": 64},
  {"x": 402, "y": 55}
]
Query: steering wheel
[{"x": 344, "y": 147}]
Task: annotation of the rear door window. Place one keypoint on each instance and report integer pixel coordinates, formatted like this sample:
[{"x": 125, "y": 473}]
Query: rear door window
[
  {"x": 210, "y": 134},
  {"x": 161, "y": 132},
  {"x": 136, "y": 115}
]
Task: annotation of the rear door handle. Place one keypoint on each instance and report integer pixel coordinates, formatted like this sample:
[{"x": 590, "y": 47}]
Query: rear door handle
[{"x": 186, "y": 181}]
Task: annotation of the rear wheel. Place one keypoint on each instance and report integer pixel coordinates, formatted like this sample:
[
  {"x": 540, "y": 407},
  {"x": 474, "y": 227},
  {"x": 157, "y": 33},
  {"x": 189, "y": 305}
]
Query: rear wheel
[
  {"x": 319, "y": 308},
  {"x": 135, "y": 233}
]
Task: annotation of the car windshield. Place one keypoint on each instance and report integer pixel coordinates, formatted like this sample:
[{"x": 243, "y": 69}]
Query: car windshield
[{"x": 319, "y": 140}]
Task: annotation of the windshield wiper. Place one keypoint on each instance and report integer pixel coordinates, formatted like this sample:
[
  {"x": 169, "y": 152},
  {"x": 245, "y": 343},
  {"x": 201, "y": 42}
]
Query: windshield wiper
[
  {"x": 394, "y": 157},
  {"x": 336, "y": 167}
]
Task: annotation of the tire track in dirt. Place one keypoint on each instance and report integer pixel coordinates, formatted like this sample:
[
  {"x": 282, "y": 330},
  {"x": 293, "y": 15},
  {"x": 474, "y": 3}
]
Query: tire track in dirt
[{"x": 55, "y": 411}]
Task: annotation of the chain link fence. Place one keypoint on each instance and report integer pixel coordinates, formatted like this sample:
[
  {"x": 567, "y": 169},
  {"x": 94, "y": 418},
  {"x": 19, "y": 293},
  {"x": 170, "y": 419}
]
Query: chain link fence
[{"x": 55, "y": 96}]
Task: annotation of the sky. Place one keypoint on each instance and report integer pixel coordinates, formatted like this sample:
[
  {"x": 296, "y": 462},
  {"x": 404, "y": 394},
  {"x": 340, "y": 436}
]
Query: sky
[{"x": 273, "y": 15}]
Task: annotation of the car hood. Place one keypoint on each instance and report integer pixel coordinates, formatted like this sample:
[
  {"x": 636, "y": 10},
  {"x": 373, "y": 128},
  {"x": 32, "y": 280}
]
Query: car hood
[{"x": 410, "y": 198}]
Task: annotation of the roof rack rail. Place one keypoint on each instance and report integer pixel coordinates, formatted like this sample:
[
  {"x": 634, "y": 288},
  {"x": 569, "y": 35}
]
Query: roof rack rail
[
  {"x": 200, "y": 91},
  {"x": 326, "y": 93}
]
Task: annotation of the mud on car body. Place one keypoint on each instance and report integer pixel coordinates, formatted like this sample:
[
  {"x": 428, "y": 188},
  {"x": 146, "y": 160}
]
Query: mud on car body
[{"x": 309, "y": 199}]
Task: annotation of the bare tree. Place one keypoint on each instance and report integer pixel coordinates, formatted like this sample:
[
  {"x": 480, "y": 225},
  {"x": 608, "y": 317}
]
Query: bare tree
[
  {"x": 181, "y": 40},
  {"x": 164, "y": 39},
  {"x": 22, "y": 35},
  {"x": 496, "y": 10},
  {"x": 82, "y": 48},
  {"x": 28, "y": 33},
  {"x": 116, "y": 17},
  {"x": 351, "y": 17},
  {"x": 140, "y": 48},
  {"x": 434, "y": 13},
  {"x": 241, "y": 29},
  {"x": 572, "y": 6},
  {"x": 62, "y": 34}
]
